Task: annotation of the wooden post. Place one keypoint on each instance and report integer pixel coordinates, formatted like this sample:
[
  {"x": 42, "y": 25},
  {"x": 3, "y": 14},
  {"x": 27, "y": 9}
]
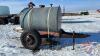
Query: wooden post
[{"x": 73, "y": 40}]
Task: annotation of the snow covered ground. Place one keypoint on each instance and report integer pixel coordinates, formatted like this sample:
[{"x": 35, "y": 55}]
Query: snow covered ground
[{"x": 10, "y": 44}]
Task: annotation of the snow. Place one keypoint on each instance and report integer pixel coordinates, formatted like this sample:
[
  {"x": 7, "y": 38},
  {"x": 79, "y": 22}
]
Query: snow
[
  {"x": 80, "y": 23},
  {"x": 10, "y": 44}
]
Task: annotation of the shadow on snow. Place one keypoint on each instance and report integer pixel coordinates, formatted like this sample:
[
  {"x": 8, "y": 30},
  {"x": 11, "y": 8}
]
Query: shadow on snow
[
  {"x": 77, "y": 22},
  {"x": 94, "y": 37}
]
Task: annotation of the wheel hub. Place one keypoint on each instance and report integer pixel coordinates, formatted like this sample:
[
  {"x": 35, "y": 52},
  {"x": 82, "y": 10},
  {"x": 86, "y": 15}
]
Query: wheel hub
[{"x": 30, "y": 40}]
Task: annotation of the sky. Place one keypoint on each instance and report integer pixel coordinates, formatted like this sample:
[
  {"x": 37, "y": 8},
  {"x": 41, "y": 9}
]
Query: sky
[{"x": 70, "y": 5}]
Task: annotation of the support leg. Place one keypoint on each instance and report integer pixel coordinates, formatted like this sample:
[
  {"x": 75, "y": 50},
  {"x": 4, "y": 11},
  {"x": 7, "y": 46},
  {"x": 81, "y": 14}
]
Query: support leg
[{"x": 73, "y": 40}]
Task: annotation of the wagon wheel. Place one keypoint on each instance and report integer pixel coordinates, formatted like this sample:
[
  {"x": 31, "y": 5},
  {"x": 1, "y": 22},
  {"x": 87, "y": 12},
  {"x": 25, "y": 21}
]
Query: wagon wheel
[{"x": 30, "y": 40}]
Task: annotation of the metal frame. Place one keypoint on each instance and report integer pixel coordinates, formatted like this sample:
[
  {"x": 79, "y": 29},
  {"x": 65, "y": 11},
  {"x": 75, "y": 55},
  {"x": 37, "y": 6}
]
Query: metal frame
[{"x": 64, "y": 34}]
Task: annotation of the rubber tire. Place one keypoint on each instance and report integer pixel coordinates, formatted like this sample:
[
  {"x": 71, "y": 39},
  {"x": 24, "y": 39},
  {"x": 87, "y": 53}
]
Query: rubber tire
[
  {"x": 1, "y": 21},
  {"x": 36, "y": 36}
]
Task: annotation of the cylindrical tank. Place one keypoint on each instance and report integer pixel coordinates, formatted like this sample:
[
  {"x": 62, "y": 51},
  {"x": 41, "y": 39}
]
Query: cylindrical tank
[
  {"x": 4, "y": 10},
  {"x": 41, "y": 19}
]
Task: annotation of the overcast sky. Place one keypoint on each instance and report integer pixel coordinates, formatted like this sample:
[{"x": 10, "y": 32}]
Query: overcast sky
[{"x": 70, "y": 5}]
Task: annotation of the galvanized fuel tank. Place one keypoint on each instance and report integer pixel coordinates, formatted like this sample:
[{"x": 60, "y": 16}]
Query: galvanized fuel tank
[
  {"x": 41, "y": 19},
  {"x": 4, "y": 10}
]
